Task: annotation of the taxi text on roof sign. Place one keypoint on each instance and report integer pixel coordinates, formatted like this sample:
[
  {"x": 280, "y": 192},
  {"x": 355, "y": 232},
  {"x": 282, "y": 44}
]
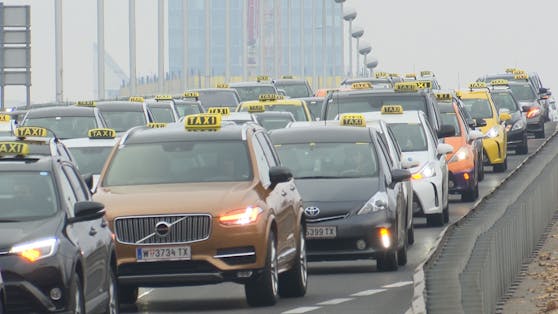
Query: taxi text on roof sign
[
  {"x": 260, "y": 78},
  {"x": 256, "y": 108},
  {"x": 381, "y": 74},
  {"x": 156, "y": 125},
  {"x": 499, "y": 82},
  {"x": 86, "y": 103},
  {"x": 510, "y": 70},
  {"x": 26, "y": 131},
  {"x": 191, "y": 95},
  {"x": 405, "y": 87},
  {"x": 12, "y": 148},
  {"x": 137, "y": 99},
  {"x": 424, "y": 84},
  {"x": 352, "y": 119},
  {"x": 521, "y": 77},
  {"x": 518, "y": 71},
  {"x": 163, "y": 97},
  {"x": 443, "y": 97},
  {"x": 392, "y": 109},
  {"x": 361, "y": 85},
  {"x": 411, "y": 75},
  {"x": 5, "y": 118},
  {"x": 222, "y": 85},
  {"x": 287, "y": 77},
  {"x": 202, "y": 121},
  {"x": 101, "y": 133},
  {"x": 477, "y": 85},
  {"x": 219, "y": 110},
  {"x": 270, "y": 97},
  {"x": 394, "y": 75}
]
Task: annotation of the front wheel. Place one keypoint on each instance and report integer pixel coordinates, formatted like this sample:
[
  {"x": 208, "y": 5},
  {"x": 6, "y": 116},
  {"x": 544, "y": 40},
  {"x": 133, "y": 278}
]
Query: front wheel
[
  {"x": 387, "y": 261},
  {"x": 127, "y": 294},
  {"x": 501, "y": 167},
  {"x": 263, "y": 291},
  {"x": 471, "y": 195},
  {"x": 77, "y": 303},
  {"x": 435, "y": 220},
  {"x": 524, "y": 148},
  {"x": 113, "y": 305},
  {"x": 293, "y": 283}
]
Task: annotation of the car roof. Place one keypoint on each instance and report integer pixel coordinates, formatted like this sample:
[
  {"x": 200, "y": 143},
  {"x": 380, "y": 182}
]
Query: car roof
[
  {"x": 248, "y": 84},
  {"x": 409, "y": 116},
  {"x": 371, "y": 92},
  {"x": 273, "y": 114},
  {"x": 63, "y": 111},
  {"x": 119, "y": 105},
  {"x": 87, "y": 142},
  {"x": 40, "y": 163},
  {"x": 213, "y": 89},
  {"x": 290, "y": 81},
  {"x": 288, "y": 101},
  {"x": 322, "y": 132}
]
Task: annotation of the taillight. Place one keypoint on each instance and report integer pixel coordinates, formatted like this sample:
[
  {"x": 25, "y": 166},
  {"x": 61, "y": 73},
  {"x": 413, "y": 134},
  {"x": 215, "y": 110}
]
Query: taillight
[{"x": 533, "y": 112}]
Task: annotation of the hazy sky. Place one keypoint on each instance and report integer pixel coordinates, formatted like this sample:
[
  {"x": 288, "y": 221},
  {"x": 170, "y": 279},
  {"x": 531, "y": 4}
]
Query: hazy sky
[{"x": 453, "y": 38}]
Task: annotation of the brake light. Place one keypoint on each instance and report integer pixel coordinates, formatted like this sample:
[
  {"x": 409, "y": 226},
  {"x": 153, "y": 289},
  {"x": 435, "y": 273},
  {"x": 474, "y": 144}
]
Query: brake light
[{"x": 533, "y": 112}]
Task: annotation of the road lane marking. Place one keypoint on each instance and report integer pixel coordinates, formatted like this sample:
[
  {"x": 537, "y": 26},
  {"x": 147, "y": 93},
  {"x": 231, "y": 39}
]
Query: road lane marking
[
  {"x": 145, "y": 293},
  {"x": 302, "y": 309},
  {"x": 335, "y": 301},
  {"x": 367, "y": 292},
  {"x": 398, "y": 284}
]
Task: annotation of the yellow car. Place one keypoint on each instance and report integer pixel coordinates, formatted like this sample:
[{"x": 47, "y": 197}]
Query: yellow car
[
  {"x": 273, "y": 102},
  {"x": 479, "y": 104}
]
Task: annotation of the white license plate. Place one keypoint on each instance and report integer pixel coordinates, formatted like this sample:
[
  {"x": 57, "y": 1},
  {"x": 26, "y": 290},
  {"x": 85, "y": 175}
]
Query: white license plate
[
  {"x": 173, "y": 253},
  {"x": 321, "y": 232}
]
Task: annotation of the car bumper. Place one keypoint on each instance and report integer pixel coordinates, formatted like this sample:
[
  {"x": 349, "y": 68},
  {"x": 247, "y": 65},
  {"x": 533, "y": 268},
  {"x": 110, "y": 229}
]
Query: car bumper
[
  {"x": 516, "y": 138},
  {"x": 427, "y": 195},
  {"x": 364, "y": 229},
  {"x": 494, "y": 150},
  {"x": 458, "y": 183},
  {"x": 535, "y": 125}
]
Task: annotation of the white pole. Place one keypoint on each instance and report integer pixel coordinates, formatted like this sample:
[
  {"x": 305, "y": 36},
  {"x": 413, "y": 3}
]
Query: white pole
[
  {"x": 227, "y": 40},
  {"x": 58, "y": 50},
  {"x": 325, "y": 51},
  {"x": 277, "y": 51},
  {"x": 207, "y": 43},
  {"x": 185, "y": 73},
  {"x": 261, "y": 37},
  {"x": 357, "y": 57},
  {"x": 245, "y": 40},
  {"x": 100, "y": 49},
  {"x": 350, "y": 49},
  {"x": 314, "y": 85},
  {"x": 302, "y": 49},
  {"x": 290, "y": 36},
  {"x": 161, "y": 45},
  {"x": 132, "y": 44}
]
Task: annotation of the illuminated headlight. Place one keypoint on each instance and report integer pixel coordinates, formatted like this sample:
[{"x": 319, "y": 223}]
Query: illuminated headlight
[
  {"x": 493, "y": 132},
  {"x": 36, "y": 250},
  {"x": 242, "y": 216},
  {"x": 427, "y": 171},
  {"x": 378, "y": 202},
  {"x": 519, "y": 124},
  {"x": 462, "y": 154}
]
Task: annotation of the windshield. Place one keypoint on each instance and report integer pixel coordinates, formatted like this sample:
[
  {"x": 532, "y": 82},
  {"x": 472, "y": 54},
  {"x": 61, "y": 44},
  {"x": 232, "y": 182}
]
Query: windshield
[
  {"x": 272, "y": 123},
  {"x": 372, "y": 103},
  {"x": 504, "y": 101},
  {"x": 294, "y": 90},
  {"x": 248, "y": 93},
  {"x": 315, "y": 107},
  {"x": 450, "y": 118},
  {"x": 121, "y": 121},
  {"x": 409, "y": 136},
  {"x": 185, "y": 109},
  {"x": 90, "y": 160},
  {"x": 27, "y": 194},
  {"x": 329, "y": 160},
  {"x": 218, "y": 98},
  {"x": 180, "y": 162},
  {"x": 478, "y": 108},
  {"x": 162, "y": 114},
  {"x": 523, "y": 92},
  {"x": 65, "y": 127},
  {"x": 297, "y": 111}
]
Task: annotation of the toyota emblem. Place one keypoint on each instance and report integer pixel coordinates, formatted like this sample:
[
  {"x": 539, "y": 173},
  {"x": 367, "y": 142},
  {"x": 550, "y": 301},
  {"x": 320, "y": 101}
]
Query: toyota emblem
[
  {"x": 311, "y": 211},
  {"x": 162, "y": 228}
]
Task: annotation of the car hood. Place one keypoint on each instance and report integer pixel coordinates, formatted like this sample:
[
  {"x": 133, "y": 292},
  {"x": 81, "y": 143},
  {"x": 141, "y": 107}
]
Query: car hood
[
  {"x": 208, "y": 198},
  {"x": 336, "y": 196},
  {"x": 12, "y": 233}
]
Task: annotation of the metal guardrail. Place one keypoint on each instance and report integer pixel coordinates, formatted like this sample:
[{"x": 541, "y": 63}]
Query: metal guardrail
[{"x": 482, "y": 253}]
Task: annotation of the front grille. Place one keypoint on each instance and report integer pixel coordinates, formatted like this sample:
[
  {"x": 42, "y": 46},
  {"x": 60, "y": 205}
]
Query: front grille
[
  {"x": 326, "y": 218},
  {"x": 20, "y": 301},
  {"x": 181, "y": 229},
  {"x": 172, "y": 267}
]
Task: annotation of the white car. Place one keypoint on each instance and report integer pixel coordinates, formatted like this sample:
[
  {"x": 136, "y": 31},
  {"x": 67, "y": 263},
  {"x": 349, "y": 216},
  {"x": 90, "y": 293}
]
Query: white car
[{"x": 419, "y": 143}]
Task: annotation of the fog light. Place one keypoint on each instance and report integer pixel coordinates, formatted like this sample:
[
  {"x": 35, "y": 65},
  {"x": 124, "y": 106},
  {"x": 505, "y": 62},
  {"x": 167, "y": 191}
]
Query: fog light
[
  {"x": 385, "y": 237},
  {"x": 55, "y": 294},
  {"x": 361, "y": 244},
  {"x": 244, "y": 274},
  {"x": 466, "y": 176}
]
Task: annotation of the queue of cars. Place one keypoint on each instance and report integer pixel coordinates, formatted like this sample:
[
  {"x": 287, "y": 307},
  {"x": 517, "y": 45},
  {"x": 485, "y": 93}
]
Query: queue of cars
[{"x": 245, "y": 183}]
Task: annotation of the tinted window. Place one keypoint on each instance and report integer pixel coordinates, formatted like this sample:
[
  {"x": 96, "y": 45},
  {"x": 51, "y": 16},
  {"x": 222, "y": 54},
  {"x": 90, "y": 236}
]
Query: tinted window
[
  {"x": 121, "y": 121},
  {"x": 164, "y": 115},
  {"x": 294, "y": 90},
  {"x": 451, "y": 119},
  {"x": 409, "y": 136},
  {"x": 77, "y": 186},
  {"x": 272, "y": 123},
  {"x": 478, "y": 108},
  {"x": 523, "y": 92},
  {"x": 28, "y": 194},
  {"x": 504, "y": 101},
  {"x": 247, "y": 93},
  {"x": 297, "y": 111},
  {"x": 185, "y": 109},
  {"x": 65, "y": 127},
  {"x": 90, "y": 160},
  {"x": 215, "y": 98},
  {"x": 372, "y": 103}
]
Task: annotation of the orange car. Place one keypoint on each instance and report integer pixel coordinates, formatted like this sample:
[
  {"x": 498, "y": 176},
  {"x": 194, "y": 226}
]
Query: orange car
[
  {"x": 463, "y": 162},
  {"x": 204, "y": 204}
]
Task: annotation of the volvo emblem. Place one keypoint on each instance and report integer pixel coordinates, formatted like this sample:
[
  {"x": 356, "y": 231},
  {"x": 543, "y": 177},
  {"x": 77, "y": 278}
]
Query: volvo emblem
[
  {"x": 162, "y": 228},
  {"x": 311, "y": 211}
]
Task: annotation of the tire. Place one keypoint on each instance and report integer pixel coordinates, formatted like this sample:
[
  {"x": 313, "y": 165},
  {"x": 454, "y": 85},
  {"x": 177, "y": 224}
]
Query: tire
[
  {"x": 113, "y": 306},
  {"x": 402, "y": 255},
  {"x": 471, "y": 195},
  {"x": 387, "y": 261},
  {"x": 293, "y": 283},
  {"x": 501, "y": 167},
  {"x": 435, "y": 220},
  {"x": 127, "y": 295},
  {"x": 411, "y": 234},
  {"x": 445, "y": 213},
  {"x": 540, "y": 134},
  {"x": 77, "y": 300},
  {"x": 524, "y": 148},
  {"x": 263, "y": 291},
  {"x": 481, "y": 170}
]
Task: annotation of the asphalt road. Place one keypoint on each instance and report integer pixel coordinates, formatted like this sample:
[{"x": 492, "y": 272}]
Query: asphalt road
[{"x": 334, "y": 287}]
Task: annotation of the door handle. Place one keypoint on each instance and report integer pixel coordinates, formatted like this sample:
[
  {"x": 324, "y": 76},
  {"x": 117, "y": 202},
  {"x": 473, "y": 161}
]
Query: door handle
[
  {"x": 104, "y": 223},
  {"x": 283, "y": 193},
  {"x": 92, "y": 231}
]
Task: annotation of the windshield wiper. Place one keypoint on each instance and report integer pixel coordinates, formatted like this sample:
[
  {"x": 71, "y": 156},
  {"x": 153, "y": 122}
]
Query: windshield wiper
[{"x": 9, "y": 220}]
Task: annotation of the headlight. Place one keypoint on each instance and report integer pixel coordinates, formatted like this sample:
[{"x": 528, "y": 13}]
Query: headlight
[
  {"x": 519, "y": 124},
  {"x": 462, "y": 154},
  {"x": 427, "y": 171},
  {"x": 493, "y": 132},
  {"x": 36, "y": 250},
  {"x": 378, "y": 202},
  {"x": 242, "y": 216}
]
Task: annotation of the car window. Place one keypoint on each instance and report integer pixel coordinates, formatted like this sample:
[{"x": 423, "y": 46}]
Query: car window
[
  {"x": 478, "y": 108},
  {"x": 410, "y": 136},
  {"x": 64, "y": 126},
  {"x": 27, "y": 194},
  {"x": 373, "y": 103},
  {"x": 261, "y": 162},
  {"x": 79, "y": 189}
]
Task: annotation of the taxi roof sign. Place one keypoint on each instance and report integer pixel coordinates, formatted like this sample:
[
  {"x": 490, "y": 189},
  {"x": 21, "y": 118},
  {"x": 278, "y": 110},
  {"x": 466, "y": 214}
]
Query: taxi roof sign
[
  {"x": 392, "y": 109},
  {"x": 424, "y": 84},
  {"x": 394, "y": 75},
  {"x": 202, "y": 121},
  {"x": 477, "y": 85},
  {"x": 86, "y": 103},
  {"x": 426, "y": 73},
  {"x": 101, "y": 133},
  {"x": 5, "y": 117},
  {"x": 260, "y": 78},
  {"x": 287, "y": 77},
  {"x": 136, "y": 99},
  {"x": 406, "y": 87},
  {"x": 156, "y": 125},
  {"x": 13, "y": 149},
  {"x": 163, "y": 97},
  {"x": 510, "y": 70},
  {"x": 26, "y": 131},
  {"x": 499, "y": 82},
  {"x": 518, "y": 71},
  {"x": 521, "y": 77},
  {"x": 191, "y": 95},
  {"x": 256, "y": 108},
  {"x": 381, "y": 74},
  {"x": 361, "y": 85},
  {"x": 219, "y": 110},
  {"x": 270, "y": 97},
  {"x": 411, "y": 75},
  {"x": 222, "y": 85},
  {"x": 443, "y": 96},
  {"x": 352, "y": 119}
]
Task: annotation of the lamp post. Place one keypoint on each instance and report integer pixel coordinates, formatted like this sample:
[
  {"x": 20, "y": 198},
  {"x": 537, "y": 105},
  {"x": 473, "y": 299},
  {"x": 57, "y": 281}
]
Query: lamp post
[
  {"x": 349, "y": 15},
  {"x": 364, "y": 49},
  {"x": 372, "y": 64},
  {"x": 334, "y": 41},
  {"x": 357, "y": 34}
]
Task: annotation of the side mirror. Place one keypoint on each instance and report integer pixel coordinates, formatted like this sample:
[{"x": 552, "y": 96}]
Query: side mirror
[
  {"x": 543, "y": 90},
  {"x": 400, "y": 175},
  {"x": 87, "y": 210},
  {"x": 88, "y": 179},
  {"x": 525, "y": 108},
  {"x": 446, "y": 131},
  {"x": 505, "y": 116},
  {"x": 475, "y": 135},
  {"x": 279, "y": 175},
  {"x": 480, "y": 123},
  {"x": 444, "y": 149}
]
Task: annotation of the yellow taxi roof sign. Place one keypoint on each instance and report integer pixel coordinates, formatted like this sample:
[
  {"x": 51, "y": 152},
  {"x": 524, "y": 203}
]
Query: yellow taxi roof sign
[
  {"x": 424, "y": 84},
  {"x": 510, "y": 70},
  {"x": 287, "y": 77},
  {"x": 202, "y": 121},
  {"x": 426, "y": 73},
  {"x": 191, "y": 95},
  {"x": 411, "y": 75},
  {"x": 270, "y": 97},
  {"x": 137, "y": 99},
  {"x": 499, "y": 82},
  {"x": 361, "y": 85},
  {"x": 101, "y": 133},
  {"x": 256, "y": 107},
  {"x": 443, "y": 96},
  {"x": 219, "y": 110},
  {"x": 5, "y": 117},
  {"x": 381, "y": 74},
  {"x": 26, "y": 131},
  {"x": 163, "y": 97},
  {"x": 477, "y": 85},
  {"x": 13, "y": 149},
  {"x": 392, "y": 109},
  {"x": 521, "y": 77},
  {"x": 352, "y": 119},
  {"x": 406, "y": 87},
  {"x": 222, "y": 85},
  {"x": 156, "y": 125},
  {"x": 518, "y": 71},
  {"x": 86, "y": 103},
  {"x": 260, "y": 78},
  {"x": 394, "y": 75}
]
